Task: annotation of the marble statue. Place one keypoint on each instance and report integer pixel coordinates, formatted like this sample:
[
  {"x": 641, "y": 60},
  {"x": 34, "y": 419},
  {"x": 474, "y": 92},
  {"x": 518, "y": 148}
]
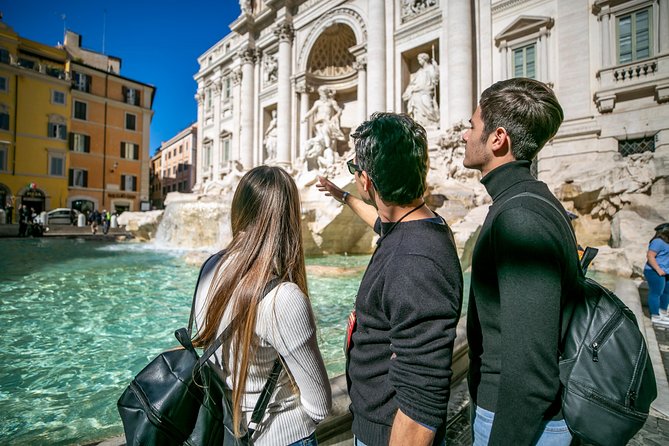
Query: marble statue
[
  {"x": 326, "y": 120},
  {"x": 317, "y": 155},
  {"x": 270, "y": 69},
  {"x": 270, "y": 139},
  {"x": 420, "y": 94},
  {"x": 246, "y": 6}
]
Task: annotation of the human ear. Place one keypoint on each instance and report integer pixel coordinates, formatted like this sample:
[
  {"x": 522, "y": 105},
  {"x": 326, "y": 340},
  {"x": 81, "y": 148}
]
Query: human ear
[{"x": 500, "y": 140}]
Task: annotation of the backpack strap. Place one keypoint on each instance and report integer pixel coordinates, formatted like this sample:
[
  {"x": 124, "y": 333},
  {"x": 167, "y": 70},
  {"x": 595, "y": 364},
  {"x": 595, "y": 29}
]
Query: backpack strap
[
  {"x": 568, "y": 309},
  {"x": 206, "y": 266}
]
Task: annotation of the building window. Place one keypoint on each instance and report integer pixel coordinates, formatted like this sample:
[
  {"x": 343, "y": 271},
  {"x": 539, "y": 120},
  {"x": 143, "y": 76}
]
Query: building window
[
  {"x": 129, "y": 183},
  {"x": 4, "y": 84},
  {"x": 225, "y": 150},
  {"x": 524, "y": 60},
  {"x": 27, "y": 63},
  {"x": 524, "y": 48},
  {"x": 206, "y": 156},
  {"x": 57, "y": 130},
  {"x": 82, "y": 82},
  {"x": 4, "y": 120},
  {"x": 56, "y": 164},
  {"x": 131, "y": 96},
  {"x": 639, "y": 145},
  {"x": 80, "y": 143},
  {"x": 4, "y": 56},
  {"x": 78, "y": 178},
  {"x": 129, "y": 150},
  {"x": 227, "y": 90},
  {"x": 58, "y": 97},
  {"x": 634, "y": 36},
  {"x": 207, "y": 99},
  {"x": 3, "y": 157},
  {"x": 130, "y": 121},
  {"x": 80, "y": 110}
]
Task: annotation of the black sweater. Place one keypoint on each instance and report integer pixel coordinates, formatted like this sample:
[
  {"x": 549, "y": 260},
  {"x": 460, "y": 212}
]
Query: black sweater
[
  {"x": 523, "y": 267},
  {"x": 407, "y": 308}
]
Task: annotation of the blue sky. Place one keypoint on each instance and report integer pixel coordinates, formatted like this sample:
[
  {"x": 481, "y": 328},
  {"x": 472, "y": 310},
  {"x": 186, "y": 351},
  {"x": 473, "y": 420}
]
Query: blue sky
[{"x": 158, "y": 42}]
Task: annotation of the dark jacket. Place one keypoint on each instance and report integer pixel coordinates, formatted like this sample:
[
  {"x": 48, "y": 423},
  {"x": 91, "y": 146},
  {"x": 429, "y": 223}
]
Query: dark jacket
[
  {"x": 408, "y": 307},
  {"x": 523, "y": 266}
]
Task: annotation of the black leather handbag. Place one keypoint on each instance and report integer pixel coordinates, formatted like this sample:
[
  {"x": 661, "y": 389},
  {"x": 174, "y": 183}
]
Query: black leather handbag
[{"x": 182, "y": 398}]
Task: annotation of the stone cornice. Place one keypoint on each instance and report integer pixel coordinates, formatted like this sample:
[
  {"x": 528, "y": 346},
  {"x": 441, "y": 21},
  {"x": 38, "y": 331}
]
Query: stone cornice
[{"x": 504, "y": 5}]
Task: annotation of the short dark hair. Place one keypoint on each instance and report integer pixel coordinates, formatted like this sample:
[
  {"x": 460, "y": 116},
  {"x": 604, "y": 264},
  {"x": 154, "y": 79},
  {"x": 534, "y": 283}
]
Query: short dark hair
[
  {"x": 527, "y": 109},
  {"x": 392, "y": 149}
]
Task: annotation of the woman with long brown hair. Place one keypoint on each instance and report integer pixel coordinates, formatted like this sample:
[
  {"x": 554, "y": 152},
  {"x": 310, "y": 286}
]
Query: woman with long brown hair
[{"x": 266, "y": 245}]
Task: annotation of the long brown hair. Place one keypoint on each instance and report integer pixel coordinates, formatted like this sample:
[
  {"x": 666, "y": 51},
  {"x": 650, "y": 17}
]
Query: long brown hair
[{"x": 266, "y": 243}]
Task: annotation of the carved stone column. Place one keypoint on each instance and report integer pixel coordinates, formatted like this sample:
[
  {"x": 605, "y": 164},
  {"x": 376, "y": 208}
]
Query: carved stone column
[
  {"x": 216, "y": 146},
  {"x": 199, "y": 97},
  {"x": 246, "y": 134},
  {"x": 303, "y": 89},
  {"x": 236, "y": 76},
  {"x": 376, "y": 53},
  {"x": 284, "y": 32},
  {"x": 360, "y": 65},
  {"x": 460, "y": 47}
]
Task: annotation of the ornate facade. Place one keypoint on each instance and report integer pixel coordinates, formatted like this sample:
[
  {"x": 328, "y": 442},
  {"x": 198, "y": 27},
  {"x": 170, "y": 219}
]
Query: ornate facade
[{"x": 608, "y": 61}]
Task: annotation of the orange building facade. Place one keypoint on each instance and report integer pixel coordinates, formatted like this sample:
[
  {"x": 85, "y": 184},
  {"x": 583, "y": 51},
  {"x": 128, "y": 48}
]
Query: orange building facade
[{"x": 110, "y": 134}]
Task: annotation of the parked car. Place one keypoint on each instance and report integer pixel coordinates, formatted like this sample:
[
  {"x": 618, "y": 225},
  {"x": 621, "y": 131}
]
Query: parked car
[{"x": 62, "y": 216}]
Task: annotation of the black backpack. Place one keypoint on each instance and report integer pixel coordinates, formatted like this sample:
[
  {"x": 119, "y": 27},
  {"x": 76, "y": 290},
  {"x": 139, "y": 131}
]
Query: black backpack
[
  {"x": 180, "y": 398},
  {"x": 606, "y": 372}
]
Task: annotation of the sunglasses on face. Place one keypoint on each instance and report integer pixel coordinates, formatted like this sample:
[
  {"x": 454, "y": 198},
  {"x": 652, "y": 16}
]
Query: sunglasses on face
[{"x": 353, "y": 167}]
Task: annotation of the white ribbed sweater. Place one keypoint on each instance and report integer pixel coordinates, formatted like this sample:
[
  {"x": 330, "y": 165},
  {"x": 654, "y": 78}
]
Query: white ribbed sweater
[{"x": 285, "y": 325}]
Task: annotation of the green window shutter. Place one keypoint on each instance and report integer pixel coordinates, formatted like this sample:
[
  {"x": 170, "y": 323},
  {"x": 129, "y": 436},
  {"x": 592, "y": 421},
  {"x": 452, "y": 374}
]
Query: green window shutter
[
  {"x": 122, "y": 149},
  {"x": 87, "y": 143},
  {"x": 122, "y": 182},
  {"x": 85, "y": 178},
  {"x": 134, "y": 183},
  {"x": 530, "y": 61},
  {"x": 70, "y": 178},
  {"x": 71, "y": 141},
  {"x": 136, "y": 151},
  {"x": 642, "y": 34},
  {"x": 625, "y": 39}
]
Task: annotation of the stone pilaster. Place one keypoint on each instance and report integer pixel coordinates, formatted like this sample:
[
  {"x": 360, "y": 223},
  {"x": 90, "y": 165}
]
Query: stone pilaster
[
  {"x": 303, "y": 90},
  {"x": 376, "y": 54},
  {"x": 360, "y": 65},
  {"x": 248, "y": 58},
  {"x": 284, "y": 32},
  {"x": 460, "y": 63}
]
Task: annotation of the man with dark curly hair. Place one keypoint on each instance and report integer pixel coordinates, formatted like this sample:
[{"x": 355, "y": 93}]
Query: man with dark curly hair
[{"x": 408, "y": 305}]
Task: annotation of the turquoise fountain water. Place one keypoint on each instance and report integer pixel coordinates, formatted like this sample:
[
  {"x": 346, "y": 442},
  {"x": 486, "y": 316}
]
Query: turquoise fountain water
[{"x": 81, "y": 318}]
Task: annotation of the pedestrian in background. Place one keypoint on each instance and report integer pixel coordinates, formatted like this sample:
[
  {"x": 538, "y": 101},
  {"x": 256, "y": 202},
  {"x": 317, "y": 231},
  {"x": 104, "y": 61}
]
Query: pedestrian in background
[{"x": 656, "y": 273}]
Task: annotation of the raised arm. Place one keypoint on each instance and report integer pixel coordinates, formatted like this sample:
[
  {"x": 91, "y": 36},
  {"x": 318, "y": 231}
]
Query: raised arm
[{"x": 365, "y": 211}]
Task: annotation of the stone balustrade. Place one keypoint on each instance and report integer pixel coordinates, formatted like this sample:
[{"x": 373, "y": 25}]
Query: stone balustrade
[{"x": 649, "y": 76}]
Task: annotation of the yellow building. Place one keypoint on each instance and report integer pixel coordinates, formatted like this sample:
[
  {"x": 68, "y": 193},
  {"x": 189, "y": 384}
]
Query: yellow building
[{"x": 35, "y": 109}]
